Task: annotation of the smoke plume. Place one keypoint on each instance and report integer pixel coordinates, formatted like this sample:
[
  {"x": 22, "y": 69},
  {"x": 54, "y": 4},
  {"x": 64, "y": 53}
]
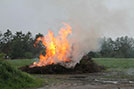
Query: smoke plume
[{"x": 90, "y": 20}]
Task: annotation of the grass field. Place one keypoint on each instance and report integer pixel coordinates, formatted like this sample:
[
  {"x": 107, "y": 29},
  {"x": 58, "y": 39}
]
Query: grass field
[
  {"x": 116, "y": 63},
  {"x": 20, "y": 62},
  {"x": 109, "y": 63}
]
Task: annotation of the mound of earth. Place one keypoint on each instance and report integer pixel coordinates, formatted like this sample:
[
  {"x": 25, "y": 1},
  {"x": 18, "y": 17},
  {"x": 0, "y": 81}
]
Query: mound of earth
[{"x": 86, "y": 65}]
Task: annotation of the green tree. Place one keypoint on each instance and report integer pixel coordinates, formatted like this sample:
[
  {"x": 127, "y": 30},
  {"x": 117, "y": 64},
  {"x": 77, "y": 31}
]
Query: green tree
[
  {"x": 17, "y": 46},
  {"x": 6, "y": 42},
  {"x": 107, "y": 48},
  {"x": 121, "y": 47},
  {"x": 124, "y": 47}
]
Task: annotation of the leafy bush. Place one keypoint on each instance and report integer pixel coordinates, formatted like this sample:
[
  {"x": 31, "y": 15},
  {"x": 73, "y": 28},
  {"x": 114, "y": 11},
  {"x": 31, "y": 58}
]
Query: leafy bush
[
  {"x": 12, "y": 78},
  {"x": 2, "y": 55}
]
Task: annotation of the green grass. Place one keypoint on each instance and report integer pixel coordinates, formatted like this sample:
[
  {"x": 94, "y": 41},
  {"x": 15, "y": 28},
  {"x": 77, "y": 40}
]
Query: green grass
[
  {"x": 110, "y": 63},
  {"x": 24, "y": 80},
  {"x": 20, "y": 62},
  {"x": 124, "y": 67},
  {"x": 12, "y": 78},
  {"x": 116, "y": 63}
]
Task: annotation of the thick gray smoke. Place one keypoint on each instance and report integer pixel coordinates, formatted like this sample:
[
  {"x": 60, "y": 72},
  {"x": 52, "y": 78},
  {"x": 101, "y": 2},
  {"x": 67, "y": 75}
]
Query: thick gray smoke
[{"x": 90, "y": 20}]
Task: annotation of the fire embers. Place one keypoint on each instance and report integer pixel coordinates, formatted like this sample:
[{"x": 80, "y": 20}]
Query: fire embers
[{"x": 57, "y": 48}]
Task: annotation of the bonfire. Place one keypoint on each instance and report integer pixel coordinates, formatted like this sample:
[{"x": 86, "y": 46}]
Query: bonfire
[{"x": 58, "y": 56}]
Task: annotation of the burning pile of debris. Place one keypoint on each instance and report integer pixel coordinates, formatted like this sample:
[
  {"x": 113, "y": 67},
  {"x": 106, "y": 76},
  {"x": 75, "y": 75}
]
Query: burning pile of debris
[
  {"x": 86, "y": 65},
  {"x": 58, "y": 52}
]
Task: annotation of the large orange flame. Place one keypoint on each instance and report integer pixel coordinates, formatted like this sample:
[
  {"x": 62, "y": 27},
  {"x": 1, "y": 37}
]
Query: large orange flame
[{"x": 57, "y": 48}]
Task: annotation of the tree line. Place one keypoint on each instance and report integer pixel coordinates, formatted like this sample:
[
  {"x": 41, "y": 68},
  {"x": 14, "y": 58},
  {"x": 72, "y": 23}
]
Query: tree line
[
  {"x": 20, "y": 45},
  {"x": 121, "y": 47}
]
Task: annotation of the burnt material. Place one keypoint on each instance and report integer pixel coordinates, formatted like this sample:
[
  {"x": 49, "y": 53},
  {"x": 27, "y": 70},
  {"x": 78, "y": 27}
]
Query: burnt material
[
  {"x": 49, "y": 69},
  {"x": 86, "y": 65}
]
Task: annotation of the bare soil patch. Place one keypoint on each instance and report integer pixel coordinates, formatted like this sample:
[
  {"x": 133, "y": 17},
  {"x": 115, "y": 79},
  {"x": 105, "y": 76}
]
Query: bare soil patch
[{"x": 88, "y": 81}]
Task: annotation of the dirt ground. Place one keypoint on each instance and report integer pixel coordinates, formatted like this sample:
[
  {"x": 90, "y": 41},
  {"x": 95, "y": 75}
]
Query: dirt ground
[{"x": 108, "y": 80}]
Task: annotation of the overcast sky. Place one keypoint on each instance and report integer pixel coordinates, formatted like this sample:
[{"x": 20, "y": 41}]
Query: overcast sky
[{"x": 111, "y": 18}]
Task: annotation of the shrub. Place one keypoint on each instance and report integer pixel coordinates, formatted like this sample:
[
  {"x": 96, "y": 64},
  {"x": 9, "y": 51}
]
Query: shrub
[
  {"x": 2, "y": 55},
  {"x": 12, "y": 78}
]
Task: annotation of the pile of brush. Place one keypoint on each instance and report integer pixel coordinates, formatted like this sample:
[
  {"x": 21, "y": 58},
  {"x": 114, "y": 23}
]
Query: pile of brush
[{"x": 86, "y": 65}]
